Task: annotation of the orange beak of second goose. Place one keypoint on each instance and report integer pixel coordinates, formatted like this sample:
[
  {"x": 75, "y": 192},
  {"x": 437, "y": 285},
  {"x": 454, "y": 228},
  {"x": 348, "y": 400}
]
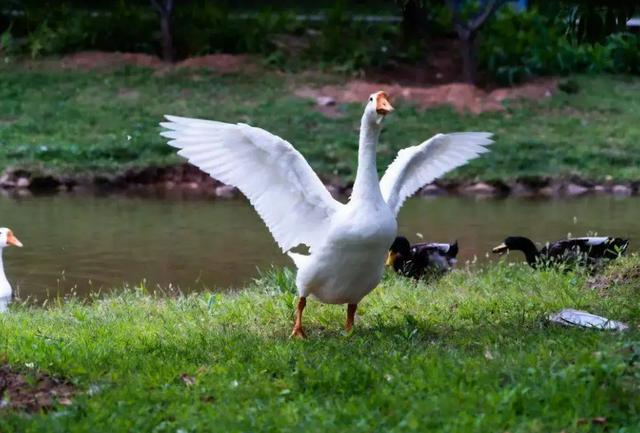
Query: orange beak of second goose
[
  {"x": 12, "y": 240},
  {"x": 382, "y": 103}
]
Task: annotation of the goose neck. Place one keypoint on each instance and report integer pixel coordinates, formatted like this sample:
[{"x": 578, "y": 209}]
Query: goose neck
[
  {"x": 5, "y": 287},
  {"x": 366, "y": 182}
]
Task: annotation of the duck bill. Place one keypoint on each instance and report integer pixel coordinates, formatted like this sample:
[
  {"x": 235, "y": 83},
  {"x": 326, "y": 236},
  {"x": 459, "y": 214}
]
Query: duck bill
[
  {"x": 383, "y": 106},
  {"x": 12, "y": 240},
  {"x": 500, "y": 249},
  {"x": 391, "y": 258}
]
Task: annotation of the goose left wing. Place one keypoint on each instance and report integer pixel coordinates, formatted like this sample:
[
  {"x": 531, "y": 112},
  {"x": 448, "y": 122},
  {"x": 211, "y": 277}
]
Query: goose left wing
[{"x": 418, "y": 165}]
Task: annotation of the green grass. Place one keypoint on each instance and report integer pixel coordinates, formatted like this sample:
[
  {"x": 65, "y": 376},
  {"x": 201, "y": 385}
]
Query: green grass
[
  {"x": 469, "y": 353},
  {"x": 78, "y": 122}
]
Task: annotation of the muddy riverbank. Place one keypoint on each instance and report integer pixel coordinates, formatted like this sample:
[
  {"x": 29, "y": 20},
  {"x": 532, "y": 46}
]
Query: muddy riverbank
[{"x": 187, "y": 177}]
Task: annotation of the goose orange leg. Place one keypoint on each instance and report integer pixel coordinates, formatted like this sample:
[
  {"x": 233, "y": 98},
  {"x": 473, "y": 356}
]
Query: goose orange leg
[
  {"x": 351, "y": 314},
  {"x": 297, "y": 326}
]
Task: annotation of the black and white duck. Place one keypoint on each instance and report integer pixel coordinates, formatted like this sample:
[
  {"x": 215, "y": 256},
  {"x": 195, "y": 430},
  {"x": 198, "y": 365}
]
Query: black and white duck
[
  {"x": 414, "y": 260},
  {"x": 585, "y": 250}
]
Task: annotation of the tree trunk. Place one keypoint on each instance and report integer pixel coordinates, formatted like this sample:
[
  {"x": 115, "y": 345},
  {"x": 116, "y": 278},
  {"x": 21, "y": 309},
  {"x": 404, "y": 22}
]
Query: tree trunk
[
  {"x": 167, "y": 38},
  {"x": 468, "y": 49},
  {"x": 414, "y": 21},
  {"x": 467, "y": 30},
  {"x": 165, "y": 10}
]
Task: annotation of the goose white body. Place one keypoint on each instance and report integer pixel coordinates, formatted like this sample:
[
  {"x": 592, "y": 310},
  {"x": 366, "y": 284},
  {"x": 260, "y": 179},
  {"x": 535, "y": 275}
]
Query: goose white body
[
  {"x": 351, "y": 262},
  {"x": 348, "y": 243}
]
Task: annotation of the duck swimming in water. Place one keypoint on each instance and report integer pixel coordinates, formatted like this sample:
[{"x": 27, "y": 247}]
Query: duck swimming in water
[
  {"x": 414, "y": 260},
  {"x": 585, "y": 250}
]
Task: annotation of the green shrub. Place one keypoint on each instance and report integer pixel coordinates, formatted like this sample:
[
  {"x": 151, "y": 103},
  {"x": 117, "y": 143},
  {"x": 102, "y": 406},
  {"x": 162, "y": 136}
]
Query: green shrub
[
  {"x": 624, "y": 53},
  {"x": 202, "y": 27},
  {"x": 206, "y": 28},
  {"x": 61, "y": 29},
  {"x": 515, "y": 45},
  {"x": 7, "y": 44},
  {"x": 519, "y": 45},
  {"x": 352, "y": 44},
  {"x": 593, "y": 21}
]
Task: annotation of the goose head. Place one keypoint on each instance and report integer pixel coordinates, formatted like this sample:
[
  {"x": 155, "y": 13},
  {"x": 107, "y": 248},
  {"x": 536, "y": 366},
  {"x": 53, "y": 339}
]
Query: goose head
[
  {"x": 377, "y": 107},
  {"x": 7, "y": 238}
]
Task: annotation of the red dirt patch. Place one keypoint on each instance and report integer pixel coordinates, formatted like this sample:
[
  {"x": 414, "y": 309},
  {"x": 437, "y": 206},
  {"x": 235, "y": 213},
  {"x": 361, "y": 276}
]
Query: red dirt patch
[
  {"x": 100, "y": 59},
  {"x": 463, "y": 97},
  {"x": 34, "y": 394},
  {"x": 223, "y": 63}
]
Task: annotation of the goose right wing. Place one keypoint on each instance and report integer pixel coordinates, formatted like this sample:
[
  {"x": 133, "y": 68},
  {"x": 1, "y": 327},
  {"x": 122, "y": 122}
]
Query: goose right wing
[{"x": 275, "y": 177}]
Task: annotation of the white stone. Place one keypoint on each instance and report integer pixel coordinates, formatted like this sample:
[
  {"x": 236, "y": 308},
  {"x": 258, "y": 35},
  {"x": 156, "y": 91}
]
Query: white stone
[
  {"x": 325, "y": 101},
  {"x": 226, "y": 191},
  {"x": 23, "y": 182}
]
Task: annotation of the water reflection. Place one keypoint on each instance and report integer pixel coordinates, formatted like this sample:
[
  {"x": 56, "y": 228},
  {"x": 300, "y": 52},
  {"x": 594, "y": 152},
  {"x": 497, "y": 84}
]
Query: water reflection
[{"x": 87, "y": 243}]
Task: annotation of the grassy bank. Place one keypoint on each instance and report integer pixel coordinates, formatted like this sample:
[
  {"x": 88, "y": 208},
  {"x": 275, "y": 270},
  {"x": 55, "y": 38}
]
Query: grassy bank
[
  {"x": 77, "y": 122},
  {"x": 470, "y": 353}
]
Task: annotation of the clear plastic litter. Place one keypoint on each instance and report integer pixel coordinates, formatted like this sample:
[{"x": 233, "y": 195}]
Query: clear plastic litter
[{"x": 583, "y": 319}]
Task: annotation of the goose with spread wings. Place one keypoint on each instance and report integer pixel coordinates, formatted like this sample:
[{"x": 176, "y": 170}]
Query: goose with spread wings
[{"x": 347, "y": 243}]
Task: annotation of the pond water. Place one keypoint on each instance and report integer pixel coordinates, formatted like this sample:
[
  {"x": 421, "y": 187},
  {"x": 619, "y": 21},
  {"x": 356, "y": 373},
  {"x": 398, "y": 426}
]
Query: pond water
[{"x": 86, "y": 243}]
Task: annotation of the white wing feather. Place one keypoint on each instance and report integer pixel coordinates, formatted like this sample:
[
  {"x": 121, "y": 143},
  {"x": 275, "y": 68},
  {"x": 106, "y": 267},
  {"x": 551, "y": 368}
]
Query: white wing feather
[
  {"x": 275, "y": 177},
  {"x": 418, "y": 165}
]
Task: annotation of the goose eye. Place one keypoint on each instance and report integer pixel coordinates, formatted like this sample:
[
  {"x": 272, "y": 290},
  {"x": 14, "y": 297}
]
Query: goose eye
[{"x": 370, "y": 99}]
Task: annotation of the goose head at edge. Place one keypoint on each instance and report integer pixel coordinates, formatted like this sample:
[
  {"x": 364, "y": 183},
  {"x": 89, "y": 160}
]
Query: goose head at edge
[{"x": 7, "y": 238}]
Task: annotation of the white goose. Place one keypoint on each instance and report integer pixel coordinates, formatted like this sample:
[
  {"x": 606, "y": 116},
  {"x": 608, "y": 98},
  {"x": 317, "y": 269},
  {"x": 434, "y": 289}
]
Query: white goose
[
  {"x": 6, "y": 239},
  {"x": 348, "y": 243}
]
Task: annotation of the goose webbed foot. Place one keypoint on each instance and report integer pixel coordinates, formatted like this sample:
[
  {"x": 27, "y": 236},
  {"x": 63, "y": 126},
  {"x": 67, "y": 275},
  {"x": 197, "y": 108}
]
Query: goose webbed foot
[{"x": 298, "y": 332}]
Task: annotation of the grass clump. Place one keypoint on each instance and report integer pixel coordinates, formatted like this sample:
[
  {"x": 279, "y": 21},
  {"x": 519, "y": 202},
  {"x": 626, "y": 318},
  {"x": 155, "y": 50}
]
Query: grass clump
[
  {"x": 470, "y": 352},
  {"x": 88, "y": 122}
]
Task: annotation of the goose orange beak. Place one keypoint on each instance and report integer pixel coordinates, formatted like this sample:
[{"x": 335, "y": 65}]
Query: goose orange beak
[
  {"x": 12, "y": 240},
  {"x": 383, "y": 106}
]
